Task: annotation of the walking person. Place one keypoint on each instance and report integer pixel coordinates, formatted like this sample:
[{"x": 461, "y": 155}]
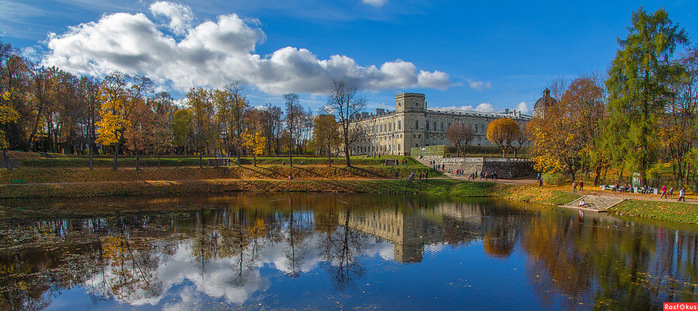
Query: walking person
[
  {"x": 663, "y": 192},
  {"x": 581, "y": 185},
  {"x": 574, "y": 187},
  {"x": 682, "y": 194}
]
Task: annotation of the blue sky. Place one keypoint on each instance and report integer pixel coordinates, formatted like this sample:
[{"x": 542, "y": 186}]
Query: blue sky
[{"x": 478, "y": 55}]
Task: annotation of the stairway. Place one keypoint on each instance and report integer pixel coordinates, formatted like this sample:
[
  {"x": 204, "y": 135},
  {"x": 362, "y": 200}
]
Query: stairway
[{"x": 595, "y": 203}]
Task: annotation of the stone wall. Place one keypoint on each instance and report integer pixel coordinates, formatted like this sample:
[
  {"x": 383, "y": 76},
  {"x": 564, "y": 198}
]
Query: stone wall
[{"x": 505, "y": 167}]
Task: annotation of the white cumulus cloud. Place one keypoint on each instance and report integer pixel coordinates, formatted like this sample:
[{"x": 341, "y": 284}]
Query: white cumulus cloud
[
  {"x": 485, "y": 107},
  {"x": 214, "y": 53},
  {"x": 180, "y": 16},
  {"x": 479, "y": 85},
  {"x": 523, "y": 107}
]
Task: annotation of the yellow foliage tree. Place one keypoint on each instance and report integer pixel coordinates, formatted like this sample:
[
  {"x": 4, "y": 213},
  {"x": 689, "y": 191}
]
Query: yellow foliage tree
[
  {"x": 566, "y": 138},
  {"x": 327, "y": 136},
  {"x": 118, "y": 102},
  {"x": 255, "y": 141},
  {"x": 7, "y": 116},
  {"x": 503, "y": 132}
]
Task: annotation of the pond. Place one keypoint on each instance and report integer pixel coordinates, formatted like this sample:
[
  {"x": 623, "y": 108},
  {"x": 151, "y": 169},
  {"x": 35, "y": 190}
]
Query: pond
[{"x": 335, "y": 252}]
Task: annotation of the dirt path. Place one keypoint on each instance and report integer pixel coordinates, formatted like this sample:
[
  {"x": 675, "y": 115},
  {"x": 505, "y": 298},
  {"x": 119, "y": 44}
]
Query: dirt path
[{"x": 590, "y": 190}]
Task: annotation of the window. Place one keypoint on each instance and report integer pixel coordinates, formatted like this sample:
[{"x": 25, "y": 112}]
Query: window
[
  {"x": 399, "y": 125},
  {"x": 427, "y": 126},
  {"x": 416, "y": 124},
  {"x": 442, "y": 126}
]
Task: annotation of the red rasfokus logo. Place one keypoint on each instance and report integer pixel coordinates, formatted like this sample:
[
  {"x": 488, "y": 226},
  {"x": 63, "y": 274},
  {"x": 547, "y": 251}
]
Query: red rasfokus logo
[{"x": 681, "y": 306}]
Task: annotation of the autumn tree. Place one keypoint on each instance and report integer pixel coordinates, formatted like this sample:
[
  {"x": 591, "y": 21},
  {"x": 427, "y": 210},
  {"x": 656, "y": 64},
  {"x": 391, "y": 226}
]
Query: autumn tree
[
  {"x": 119, "y": 94},
  {"x": 676, "y": 126},
  {"x": 163, "y": 109},
  {"x": 521, "y": 140},
  {"x": 344, "y": 102},
  {"x": 202, "y": 109},
  {"x": 15, "y": 76},
  {"x": 231, "y": 109},
  {"x": 568, "y": 135},
  {"x": 503, "y": 132},
  {"x": 42, "y": 93},
  {"x": 139, "y": 133},
  {"x": 7, "y": 116},
  {"x": 327, "y": 136},
  {"x": 255, "y": 141},
  {"x": 88, "y": 96},
  {"x": 294, "y": 115},
  {"x": 639, "y": 88},
  {"x": 272, "y": 124},
  {"x": 460, "y": 135},
  {"x": 182, "y": 130}
]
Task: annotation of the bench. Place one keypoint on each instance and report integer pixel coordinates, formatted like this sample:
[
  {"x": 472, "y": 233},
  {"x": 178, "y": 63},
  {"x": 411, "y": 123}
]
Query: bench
[{"x": 218, "y": 162}]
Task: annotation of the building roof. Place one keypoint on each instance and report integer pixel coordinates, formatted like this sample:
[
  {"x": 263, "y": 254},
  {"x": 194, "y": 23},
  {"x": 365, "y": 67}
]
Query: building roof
[{"x": 544, "y": 101}]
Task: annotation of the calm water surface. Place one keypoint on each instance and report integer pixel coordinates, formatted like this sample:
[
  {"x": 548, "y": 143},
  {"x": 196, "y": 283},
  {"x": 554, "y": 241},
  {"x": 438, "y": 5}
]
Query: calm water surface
[{"x": 319, "y": 252}]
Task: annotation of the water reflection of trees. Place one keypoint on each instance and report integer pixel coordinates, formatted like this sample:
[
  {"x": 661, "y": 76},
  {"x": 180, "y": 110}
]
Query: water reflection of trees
[
  {"x": 594, "y": 261},
  {"x": 341, "y": 247},
  {"x": 610, "y": 264}
]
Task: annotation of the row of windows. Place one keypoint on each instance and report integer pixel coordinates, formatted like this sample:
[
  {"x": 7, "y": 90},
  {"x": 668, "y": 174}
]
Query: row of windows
[
  {"x": 390, "y": 126},
  {"x": 386, "y": 148}
]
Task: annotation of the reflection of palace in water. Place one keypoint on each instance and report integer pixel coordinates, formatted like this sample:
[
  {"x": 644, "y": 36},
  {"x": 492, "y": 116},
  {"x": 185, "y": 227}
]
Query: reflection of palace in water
[{"x": 410, "y": 232}]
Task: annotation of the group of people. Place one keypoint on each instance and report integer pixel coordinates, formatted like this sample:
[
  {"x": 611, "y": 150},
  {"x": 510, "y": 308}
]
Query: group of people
[
  {"x": 421, "y": 175},
  {"x": 626, "y": 188},
  {"x": 664, "y": 191},
  {"x": 475, "y": 175},
  {"x": 665, "y": 194},
  {"x": 577, "y": 183}
]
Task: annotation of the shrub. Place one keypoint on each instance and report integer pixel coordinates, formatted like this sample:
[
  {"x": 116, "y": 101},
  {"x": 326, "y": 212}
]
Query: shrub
[{"x": 554, "y": 179}]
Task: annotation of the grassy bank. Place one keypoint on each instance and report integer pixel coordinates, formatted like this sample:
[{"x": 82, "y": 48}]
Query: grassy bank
[
  {"x": 436, "y": 187},
  {"x": 144, "y": 188},
  {"x": 670, "y": 211},
  {"x": 34, "y": 160},
  {"x": 61, "y": 175},
  {"x": 81, "y": 182}
]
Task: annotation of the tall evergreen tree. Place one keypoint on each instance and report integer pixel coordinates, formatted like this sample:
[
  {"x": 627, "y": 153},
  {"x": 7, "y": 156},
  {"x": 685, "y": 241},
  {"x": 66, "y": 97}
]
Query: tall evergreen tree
[{"x": 639, "y": 89}]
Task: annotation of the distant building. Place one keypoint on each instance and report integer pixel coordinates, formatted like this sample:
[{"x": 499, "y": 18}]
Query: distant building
[
  {"x": 543, "y": 103},
  {"x": 413, "y": 125}
]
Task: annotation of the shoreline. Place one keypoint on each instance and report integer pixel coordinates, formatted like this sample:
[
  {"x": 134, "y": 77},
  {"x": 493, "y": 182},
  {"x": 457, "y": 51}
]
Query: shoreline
[{"x": 686, "y": 213}]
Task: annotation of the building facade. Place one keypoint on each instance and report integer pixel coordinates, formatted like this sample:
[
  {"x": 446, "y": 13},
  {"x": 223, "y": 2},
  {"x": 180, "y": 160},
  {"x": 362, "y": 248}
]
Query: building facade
[{"x": 412, "y": 124}]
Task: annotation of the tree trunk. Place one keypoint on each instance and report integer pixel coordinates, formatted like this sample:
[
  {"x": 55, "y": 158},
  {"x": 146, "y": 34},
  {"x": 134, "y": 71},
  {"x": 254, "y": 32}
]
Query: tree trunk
[
  {"x": 254, "y": 160},
  {"x": 7, "y": 159},
  {"x": 346, "y": 154},
  {"x": 116, "y": 152},
  {"x": 158, "y": 160},
  {"x": 290, "y": 154},
  {"x": 200, "y": 164},
  {"x": 598, "y": 175},
  {"x": 138, "y": 159},
  {"x": 91, "y": 157}
]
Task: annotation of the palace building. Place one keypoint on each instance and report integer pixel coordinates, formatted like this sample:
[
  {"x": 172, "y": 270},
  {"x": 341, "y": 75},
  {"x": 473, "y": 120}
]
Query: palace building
[{"x": 412, "y": 124}]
